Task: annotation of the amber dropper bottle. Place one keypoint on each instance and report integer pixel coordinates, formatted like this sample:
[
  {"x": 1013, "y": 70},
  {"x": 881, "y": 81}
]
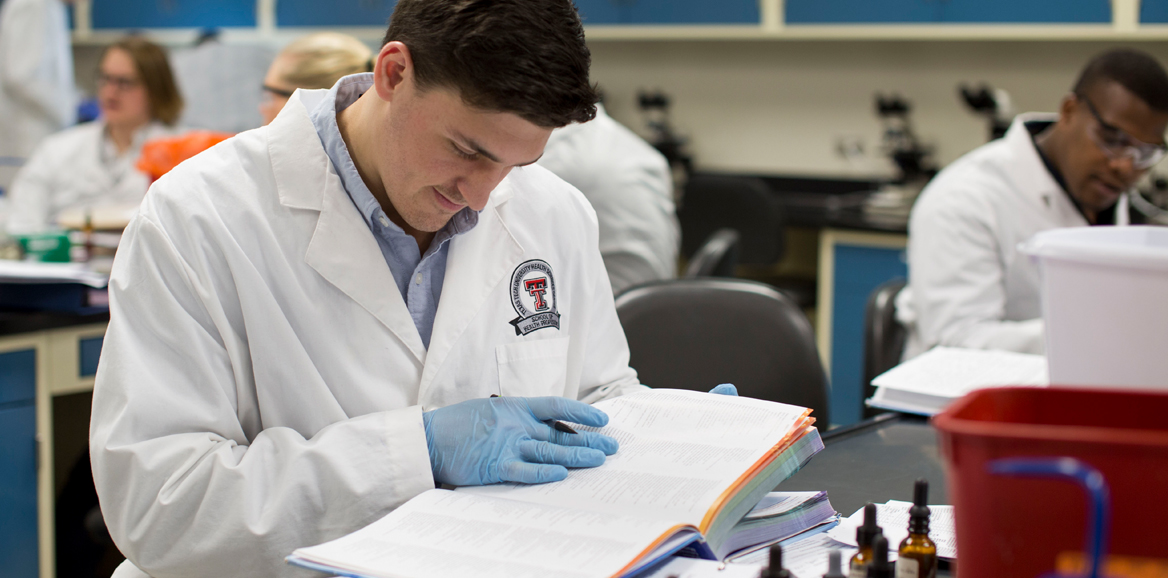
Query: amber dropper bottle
[
  {"x": 858, "y": 566},
  {"x": 918, "y": 552}
]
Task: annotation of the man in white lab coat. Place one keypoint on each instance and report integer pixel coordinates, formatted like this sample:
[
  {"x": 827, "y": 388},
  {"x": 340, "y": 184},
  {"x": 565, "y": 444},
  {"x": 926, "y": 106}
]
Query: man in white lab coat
[
  {"x": 968, "y": 284},
  {"x": 307, "y": 320},
  {"x": 629, "y": 185},
  {"x": 37, "y": 96}
]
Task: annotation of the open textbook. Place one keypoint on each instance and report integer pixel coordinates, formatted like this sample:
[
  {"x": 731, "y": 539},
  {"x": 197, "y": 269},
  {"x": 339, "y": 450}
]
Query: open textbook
[
  {"x": 690, "y": 466},
  {"x": 928, "y": 383}
]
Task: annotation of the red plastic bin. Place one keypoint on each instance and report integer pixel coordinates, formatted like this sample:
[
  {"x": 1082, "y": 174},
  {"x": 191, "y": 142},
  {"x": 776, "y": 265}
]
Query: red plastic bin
[{"x": 1009, "y": 526}]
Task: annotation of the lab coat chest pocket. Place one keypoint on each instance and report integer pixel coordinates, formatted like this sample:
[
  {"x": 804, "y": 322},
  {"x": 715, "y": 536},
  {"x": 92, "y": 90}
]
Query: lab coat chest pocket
[{"x": 533, "y": 368}]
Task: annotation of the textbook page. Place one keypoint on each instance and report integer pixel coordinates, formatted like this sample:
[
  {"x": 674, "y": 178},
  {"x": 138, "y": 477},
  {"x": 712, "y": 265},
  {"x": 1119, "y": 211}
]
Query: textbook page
[
  {"x": 441, "y": 534},
  {"x": 679, "y": 451},
  {"x": 953, "y": 372}
]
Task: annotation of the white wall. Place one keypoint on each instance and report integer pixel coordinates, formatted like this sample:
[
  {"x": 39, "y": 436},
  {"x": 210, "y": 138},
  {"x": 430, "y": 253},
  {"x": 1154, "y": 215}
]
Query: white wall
[{"x": 780, "y": 106}]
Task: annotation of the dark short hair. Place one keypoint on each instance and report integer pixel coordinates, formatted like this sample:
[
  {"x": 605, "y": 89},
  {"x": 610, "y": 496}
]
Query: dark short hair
[
  {"x": 166, "y": 103},
  {"x": 1135, "y": 70},
  {"x": 526, "y": 57}
]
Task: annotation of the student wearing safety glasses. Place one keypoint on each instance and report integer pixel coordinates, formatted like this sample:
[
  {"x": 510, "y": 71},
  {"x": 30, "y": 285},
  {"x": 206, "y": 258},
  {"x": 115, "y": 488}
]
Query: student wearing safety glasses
[{"x": 968, "y": 284}]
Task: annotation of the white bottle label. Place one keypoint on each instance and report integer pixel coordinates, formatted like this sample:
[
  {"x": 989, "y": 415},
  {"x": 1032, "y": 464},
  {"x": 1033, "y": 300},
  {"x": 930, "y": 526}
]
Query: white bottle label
[
  {"x": 908, "y": 568},
  {"x": 858, "y": 571}
]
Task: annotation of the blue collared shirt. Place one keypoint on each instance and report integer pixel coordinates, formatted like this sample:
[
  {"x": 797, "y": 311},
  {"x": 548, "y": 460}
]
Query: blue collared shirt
[{"x": 419, "y": 277}]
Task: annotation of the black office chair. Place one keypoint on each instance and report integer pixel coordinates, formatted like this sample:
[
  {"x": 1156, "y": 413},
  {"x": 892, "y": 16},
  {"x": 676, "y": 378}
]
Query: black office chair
[
  {"x": 717, "y": 257},
  {"x": 745, "y": 204},
  {"x": 749, "y": 207},
  {"x": 696, "y": 333},
  {"x": 884, "y": 337}
]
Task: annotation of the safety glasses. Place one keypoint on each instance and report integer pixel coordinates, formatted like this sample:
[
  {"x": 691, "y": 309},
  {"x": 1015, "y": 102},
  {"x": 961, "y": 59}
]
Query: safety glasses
[{"x": 1117, "y": 144}]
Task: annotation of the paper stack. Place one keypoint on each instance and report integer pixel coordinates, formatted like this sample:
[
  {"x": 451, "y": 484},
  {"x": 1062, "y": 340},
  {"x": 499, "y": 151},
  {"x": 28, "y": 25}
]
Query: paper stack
[{"x": 928, "y": 383}]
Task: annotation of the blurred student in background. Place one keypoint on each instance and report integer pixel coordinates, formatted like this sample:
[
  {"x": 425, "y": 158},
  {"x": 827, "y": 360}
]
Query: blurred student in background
[
  {"x": 314, "y": 61},
  {"x": 92, "y": 164},
  {"x": 630, "y": 187},
  {"x": 37, "y": 96}
]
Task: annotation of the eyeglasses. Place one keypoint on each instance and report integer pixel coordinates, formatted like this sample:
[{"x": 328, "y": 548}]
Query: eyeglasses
[
  {"x": 119, "y": 83},
  {"x": 278, "y": 91},
  {"x": 1117, "y": 144}
]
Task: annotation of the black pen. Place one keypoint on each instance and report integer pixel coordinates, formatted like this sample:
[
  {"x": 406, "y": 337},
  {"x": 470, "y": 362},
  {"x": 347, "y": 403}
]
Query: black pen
[{"x": 555, "y": 423}]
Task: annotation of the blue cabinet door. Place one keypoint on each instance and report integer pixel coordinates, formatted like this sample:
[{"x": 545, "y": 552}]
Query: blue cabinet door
[
  {"x": 18, "y": 490},
  {"x": 1154, "y": 11},
  {"x": 340, "y": 13},
  {"x": 173, "y": 13},
  {"x": 951, "y": 11},
  {"x": 862, "y": 11},
  {"x": 858, "y": 271},
  {"x": 668, "y": 12},
  {"x": 18, "y": 471},
  {"x": 1027, "y": 11}
]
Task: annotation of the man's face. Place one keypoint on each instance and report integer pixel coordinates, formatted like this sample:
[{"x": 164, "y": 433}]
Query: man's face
[
  {"x": 1096, "y": 178},
  {"x": 121, "y": 96},
  {"x": 437, "y": 155}
]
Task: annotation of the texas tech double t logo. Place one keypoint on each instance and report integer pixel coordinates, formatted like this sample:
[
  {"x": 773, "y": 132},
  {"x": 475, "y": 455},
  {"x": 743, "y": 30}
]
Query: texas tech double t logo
[{"x": 533, "y": 295}]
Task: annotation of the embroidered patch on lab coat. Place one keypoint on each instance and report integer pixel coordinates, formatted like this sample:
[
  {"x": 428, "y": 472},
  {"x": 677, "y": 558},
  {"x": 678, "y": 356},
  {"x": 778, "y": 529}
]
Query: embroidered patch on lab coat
[{"x": 533, "y": 295}]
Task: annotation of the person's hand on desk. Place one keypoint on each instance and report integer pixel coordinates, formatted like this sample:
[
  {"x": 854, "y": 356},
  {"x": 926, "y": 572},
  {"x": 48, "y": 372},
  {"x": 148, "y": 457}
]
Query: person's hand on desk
[
  {"x": 506, "y": 439},
  {"x": 725, "y": 389}
]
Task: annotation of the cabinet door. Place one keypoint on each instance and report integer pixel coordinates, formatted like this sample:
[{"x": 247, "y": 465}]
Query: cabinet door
[
  {"x": 1026, "y": 11},
  {"x": 1154, "y": 11},
  {"x": 17, "y": 376},
  {"x": 18, "y": 491},
  {"x": 340, "y": 13},
  {"x": 861, "y": 11},
  {"x": 173, "y": 13},
  {"x": 668, "y": 12},
  {"x": 858, "y": 271}
]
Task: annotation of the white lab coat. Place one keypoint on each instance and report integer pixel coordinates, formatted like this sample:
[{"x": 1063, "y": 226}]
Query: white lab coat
[
  {"x": 262, "y": 383},
  {"x": 37, "y": 96},
  {"x": 78, "y": 168},
  {"x": 968, "y": 284},
  {"x": 630, "y": 186}
]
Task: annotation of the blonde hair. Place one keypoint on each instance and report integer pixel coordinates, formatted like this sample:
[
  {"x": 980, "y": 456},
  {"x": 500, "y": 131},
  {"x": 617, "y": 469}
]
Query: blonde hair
[{"x": 320, "y": 60}]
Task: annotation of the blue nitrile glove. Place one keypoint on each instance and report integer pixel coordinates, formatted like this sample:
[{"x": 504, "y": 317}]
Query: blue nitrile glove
[
  {"x": 505, "y": 439},
  {"x": 725, "y": 389}
]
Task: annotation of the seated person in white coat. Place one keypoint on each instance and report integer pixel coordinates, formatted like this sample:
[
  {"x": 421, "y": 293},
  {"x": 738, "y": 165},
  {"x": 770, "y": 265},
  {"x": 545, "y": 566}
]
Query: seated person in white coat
[
  {"x": 92, "y": 164},
  {"x": 968, "y": 284},
  {"x": 630, "y": 187},
  {"x": 308, "y": 320},
  {"x": 315, "y": 61}
]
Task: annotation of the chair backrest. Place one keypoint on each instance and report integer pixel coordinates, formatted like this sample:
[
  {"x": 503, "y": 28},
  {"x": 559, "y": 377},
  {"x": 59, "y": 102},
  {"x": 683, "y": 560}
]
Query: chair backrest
[
  {"x": 884, "y": 336},
  {"x": 745, "y": 204},
  {"x": 717, "y": 257},
  {"x": 697, "y": 333}
]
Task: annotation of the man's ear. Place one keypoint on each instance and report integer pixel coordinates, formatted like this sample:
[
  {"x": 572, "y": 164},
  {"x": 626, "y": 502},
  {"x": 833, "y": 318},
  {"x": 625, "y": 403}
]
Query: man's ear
[
  {"x": 394, "y": 66},
  {"x": 1067, "y": 109}
]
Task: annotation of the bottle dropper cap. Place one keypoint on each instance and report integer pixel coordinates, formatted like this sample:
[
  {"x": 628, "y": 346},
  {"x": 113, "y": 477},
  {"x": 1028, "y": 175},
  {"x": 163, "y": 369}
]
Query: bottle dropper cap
[
  {"x": 775, "y": 569},
  {"x": 919, "y": 513},
  {"x": 880, "y": 568},
  {"x": 834, "y": 565},
  {"x": 869, "y": 530}
]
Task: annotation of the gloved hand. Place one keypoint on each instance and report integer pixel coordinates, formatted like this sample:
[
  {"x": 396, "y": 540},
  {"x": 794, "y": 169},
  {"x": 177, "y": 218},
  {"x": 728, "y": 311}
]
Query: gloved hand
[
  {"x": 725, "y": 389},
  {"x": 505, "y": 439}
]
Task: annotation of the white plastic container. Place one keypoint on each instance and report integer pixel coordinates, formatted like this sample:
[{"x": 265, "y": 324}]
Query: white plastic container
[{"x": 1105, "y": 302}]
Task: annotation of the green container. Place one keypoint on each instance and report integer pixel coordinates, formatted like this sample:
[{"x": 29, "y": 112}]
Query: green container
[{"x": 48, "y": 247}]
